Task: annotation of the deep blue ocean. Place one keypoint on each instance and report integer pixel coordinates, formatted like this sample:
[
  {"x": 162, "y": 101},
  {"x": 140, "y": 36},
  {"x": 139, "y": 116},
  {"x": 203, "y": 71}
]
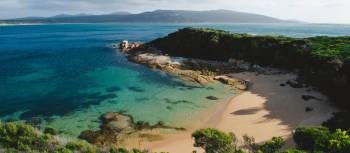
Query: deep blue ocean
[{"x": 66, "y": 75}]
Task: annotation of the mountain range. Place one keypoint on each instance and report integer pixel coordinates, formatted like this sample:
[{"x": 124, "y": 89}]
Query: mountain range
[{"x": 158, "y": 16}]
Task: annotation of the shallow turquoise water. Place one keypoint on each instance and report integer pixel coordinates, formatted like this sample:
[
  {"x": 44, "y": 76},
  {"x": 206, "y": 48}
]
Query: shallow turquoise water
[{"x": 67, "y": 76}]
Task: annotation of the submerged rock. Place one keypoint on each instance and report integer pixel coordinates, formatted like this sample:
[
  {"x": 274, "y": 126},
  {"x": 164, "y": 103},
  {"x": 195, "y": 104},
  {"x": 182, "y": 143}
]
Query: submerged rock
[
  {"x": 116, "y": 121},
  {"x": 136, "y": 89},
  {"x": 177, "y": 101},
  {"x": 113, "y": 89},
  {"x": 212, "y": 98}
]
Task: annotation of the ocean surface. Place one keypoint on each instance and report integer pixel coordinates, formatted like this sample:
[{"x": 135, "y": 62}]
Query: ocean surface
[{"x": 66, "y": 75}]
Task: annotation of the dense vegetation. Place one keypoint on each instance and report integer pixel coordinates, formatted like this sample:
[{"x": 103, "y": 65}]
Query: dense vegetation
[
  {"x": 16, "y": 138},
  {"x": 308, "y": 140},
  {"x": 322, "y": 140},
  {"x": 322, "y": 61}
]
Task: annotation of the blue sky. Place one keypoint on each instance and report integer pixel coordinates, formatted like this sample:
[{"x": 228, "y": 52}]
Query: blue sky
[{"x": 319, "y": 11}]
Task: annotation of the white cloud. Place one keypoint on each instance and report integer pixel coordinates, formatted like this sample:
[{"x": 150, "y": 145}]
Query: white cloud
[{"x": 335, "y": 11}]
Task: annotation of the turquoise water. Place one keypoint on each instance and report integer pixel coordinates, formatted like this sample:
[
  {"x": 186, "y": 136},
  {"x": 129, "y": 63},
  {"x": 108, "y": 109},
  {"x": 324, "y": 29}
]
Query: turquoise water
[{"x": 66, "y": 75}]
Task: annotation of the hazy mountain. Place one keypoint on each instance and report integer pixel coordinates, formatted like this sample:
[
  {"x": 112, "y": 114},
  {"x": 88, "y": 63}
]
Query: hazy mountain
[
  {"x": 177, "y": 16},
  {"x": 120, "y": 13},
  {"x": 69, "y": 15}
]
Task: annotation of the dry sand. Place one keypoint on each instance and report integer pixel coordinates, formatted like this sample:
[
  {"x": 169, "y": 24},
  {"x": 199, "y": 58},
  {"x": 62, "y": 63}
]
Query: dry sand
[{"x": 266, "y": 110}]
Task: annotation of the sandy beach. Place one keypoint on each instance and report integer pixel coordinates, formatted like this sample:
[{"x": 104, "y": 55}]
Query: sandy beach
[{"x": 268, "y": 109}]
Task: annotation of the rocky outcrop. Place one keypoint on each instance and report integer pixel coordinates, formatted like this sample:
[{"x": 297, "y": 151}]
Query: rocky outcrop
[
  {"x": 196, "y": 70},
  {"x": 117, "y": 126},
  {"x": 125, "y": 46},
  {"x": 116, "y": 121},
  {"x": 174, "y": 65},
  {"x": 234, "y": 82}
]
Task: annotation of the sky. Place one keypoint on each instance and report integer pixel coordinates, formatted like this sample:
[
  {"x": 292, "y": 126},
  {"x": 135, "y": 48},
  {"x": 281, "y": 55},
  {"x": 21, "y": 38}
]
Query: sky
[{"x": 315, "y": 11}]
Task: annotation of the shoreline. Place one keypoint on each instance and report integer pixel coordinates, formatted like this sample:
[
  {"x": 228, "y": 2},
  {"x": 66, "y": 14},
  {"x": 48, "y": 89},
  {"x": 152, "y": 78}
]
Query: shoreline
[
  {"x": 263, "y": 117},
  {"x": 269, "y": 99}
]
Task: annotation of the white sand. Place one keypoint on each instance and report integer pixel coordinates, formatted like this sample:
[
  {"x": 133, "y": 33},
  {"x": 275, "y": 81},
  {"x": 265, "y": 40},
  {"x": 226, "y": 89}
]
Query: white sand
[{"x": 266, "y": 110}]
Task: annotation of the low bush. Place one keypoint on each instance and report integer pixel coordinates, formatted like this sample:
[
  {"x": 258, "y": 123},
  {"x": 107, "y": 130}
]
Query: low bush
[
  {"x": 320, "y": 139},
  {"x": 272, "y": 146},
  {"x": 50, "y": 131},
  {"x": 215, "y": 141},
  {"x": 22, "y": 138},
  {"x": 311, "y": 138},
  {"x": 294, "y": 151}
]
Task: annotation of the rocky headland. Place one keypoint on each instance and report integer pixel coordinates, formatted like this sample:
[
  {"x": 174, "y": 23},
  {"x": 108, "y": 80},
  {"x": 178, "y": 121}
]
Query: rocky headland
[{"x": 196, "y": 70}]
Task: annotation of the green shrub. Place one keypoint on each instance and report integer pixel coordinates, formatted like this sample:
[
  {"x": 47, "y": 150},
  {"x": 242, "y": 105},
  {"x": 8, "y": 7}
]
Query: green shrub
[
  {"x": 311, "y": 138},
  {"x": 294, "y": 151},
  {"x": 320, "y": 139},
  {"x": 22, "y": 137},
  {"x": 11, "y": 150},
  {"x": 339, "y": 142},
  {"x": 75, "y": 145},
  {"x": 214, "y": 141},
  {"x": 123, "y": 150},
  {"x": 118, "y": 150},
  {"x": 50, "y": 131},
  {"x": 271, "y": 146},
  {"x": 62, "y": 150}
]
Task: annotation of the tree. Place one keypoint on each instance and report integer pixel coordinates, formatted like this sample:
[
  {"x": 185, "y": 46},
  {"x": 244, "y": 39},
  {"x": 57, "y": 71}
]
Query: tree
[
  {"x": 320, "y": 139},
  {"x": 311, "y": 138},
  {"x": 215, "y": 141},
  {"x": 339, "y": 142},
  {"x": 271, "y": 146}
]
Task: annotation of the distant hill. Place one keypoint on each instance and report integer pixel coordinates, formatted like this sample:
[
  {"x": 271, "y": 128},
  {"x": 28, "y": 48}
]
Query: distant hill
[{"x": 170, "y": 16}]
